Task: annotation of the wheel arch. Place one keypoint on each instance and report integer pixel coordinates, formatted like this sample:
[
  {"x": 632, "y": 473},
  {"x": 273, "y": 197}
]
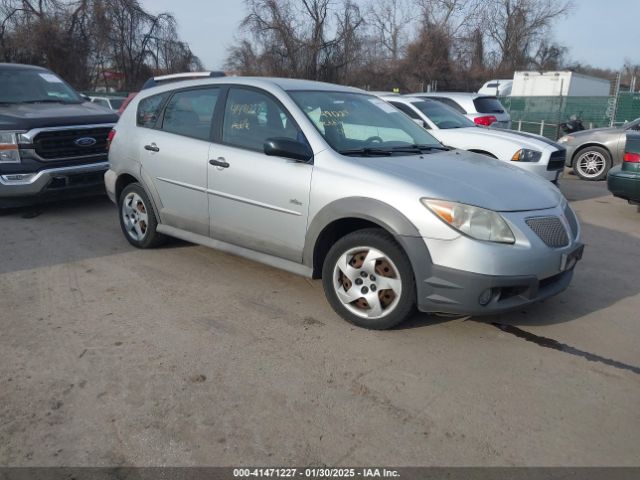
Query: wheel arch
[
  {"x": 348, "y": 215},
  {"x": 579, "y": 150},
  {"x": 122, "y": 181}
]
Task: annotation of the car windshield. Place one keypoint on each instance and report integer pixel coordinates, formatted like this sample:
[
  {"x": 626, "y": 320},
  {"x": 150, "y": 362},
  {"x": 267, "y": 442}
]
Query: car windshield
[
  {"x": 443, "y": 116},
  {"x": 634, "y": 124},
  {"x": 363, "y": 125},
  {"x": 116, "y": 103},
  {"x": 34, "y": 86}
]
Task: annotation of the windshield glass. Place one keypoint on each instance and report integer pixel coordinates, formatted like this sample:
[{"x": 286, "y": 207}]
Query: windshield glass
[
  {"x": 444, "y": 117},
  {"x": 634, "y": 124},
  {"x": 362, "y": 125},
  {"x": 116, "y": 103},
  {"x": 33, "y": 86}
]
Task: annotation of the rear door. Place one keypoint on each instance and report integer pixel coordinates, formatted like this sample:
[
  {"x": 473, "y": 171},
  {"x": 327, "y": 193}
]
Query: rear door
[
  {"x": 174, "y": 155},
  {"x": 257, "y": 201}
]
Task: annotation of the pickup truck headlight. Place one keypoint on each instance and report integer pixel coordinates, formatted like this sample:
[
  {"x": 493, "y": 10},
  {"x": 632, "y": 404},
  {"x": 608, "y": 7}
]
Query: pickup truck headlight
[
  {"x": 526, "y": 155},
  {"x": 9, "y": 152},
  {"x": 475, "y": 222}
]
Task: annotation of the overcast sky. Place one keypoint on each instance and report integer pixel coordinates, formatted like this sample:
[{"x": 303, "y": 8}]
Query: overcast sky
[{"x": 598, "y": 32}]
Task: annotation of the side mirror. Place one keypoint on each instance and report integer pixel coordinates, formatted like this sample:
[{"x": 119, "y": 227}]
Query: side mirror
[
  {"x": 85, "y": 97},
  {"x": 285, "y": 147},
  {"x": 420, "y": 122}
]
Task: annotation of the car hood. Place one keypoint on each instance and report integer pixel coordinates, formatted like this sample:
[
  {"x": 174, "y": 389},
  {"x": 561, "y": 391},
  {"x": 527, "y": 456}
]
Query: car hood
[
  {"x": 585, "y": 133},
  {"x": 469, "y": 178},
  {"x": 523, "y": 139},
  {"x": 36, "y": 115}
]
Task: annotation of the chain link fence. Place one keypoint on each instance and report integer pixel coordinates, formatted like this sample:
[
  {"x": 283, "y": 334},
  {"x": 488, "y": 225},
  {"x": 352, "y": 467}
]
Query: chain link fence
[{"x": 543, "y": 115}]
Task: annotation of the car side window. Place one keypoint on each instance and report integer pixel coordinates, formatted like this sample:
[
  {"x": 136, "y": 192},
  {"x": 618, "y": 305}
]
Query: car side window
[
  {"x": 251, "y": 117},
  {"x": 449, "y": 102},
  {"x": 149, "y": 110},
  {"x": 406, "y": 109},
  {"x": 190, "y": 112},
  {"x": 101, "y": 102}
]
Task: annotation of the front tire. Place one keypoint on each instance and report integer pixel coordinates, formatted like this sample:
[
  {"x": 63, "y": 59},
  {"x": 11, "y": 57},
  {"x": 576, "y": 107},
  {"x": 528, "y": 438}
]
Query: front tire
[
  {"x": 368, "y": 280},
  {"x": 137, "y": 218},
  {"x": 592, "y": 163}
]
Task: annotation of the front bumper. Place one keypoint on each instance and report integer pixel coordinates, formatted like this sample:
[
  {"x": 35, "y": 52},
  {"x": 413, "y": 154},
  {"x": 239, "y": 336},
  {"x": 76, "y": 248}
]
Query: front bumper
[
  {"x": 458, "y": 292},
  {"x": 540, "y": 169},
  {"x": 470, "y": 277},
  {"x": 19, "y": 189}
]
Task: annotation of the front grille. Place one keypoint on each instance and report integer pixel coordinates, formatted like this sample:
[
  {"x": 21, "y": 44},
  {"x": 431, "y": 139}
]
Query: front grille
[
  {"x": 572, "y": 220},
  {"x": 550, "y": 230},
  {"x": 556, "y": 160},
  {"x": 57, "y": 144}
]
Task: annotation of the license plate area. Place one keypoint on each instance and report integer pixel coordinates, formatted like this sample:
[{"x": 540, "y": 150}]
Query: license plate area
[{"x": 570, "y": 259}]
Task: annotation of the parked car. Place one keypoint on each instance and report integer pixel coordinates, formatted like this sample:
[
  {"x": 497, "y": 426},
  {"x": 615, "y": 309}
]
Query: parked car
[
  {"x": 624, "y": 180},
  {"x": 485, "y": 110},
  {"x": 532, "y": 153},
  {"x": 592, "y": 153},
  {"x": 112, "y": 103},
  {"x": 498, "y": 87},
  {"x": 330, "y": 182},
  {"x": 53, "y": 143}
]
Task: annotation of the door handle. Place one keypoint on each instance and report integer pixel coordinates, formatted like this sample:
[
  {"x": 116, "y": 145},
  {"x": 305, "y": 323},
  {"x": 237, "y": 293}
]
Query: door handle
[
  {"x": 220, "y": 162},
  {"x": 152, "y": 148}
]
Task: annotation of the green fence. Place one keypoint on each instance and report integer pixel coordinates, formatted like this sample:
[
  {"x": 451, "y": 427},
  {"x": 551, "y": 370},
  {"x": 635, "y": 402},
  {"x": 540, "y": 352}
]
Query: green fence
[{"x": 543, "y": 114}]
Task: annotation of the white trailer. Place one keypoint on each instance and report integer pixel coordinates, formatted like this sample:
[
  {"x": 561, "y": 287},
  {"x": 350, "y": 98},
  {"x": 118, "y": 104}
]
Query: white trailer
[{"x": 552, "y": 84}]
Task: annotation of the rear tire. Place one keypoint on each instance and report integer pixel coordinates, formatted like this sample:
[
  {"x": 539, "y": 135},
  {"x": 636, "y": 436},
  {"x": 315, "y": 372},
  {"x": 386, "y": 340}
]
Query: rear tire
[
  {"x": 368, "y": 280},
  {"x": 592, "y": 163},
  {"x": 137, "y": 218}
]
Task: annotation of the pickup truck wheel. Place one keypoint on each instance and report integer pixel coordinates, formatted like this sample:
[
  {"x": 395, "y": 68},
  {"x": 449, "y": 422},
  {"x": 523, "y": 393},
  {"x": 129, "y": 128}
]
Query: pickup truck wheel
[
  {"x": 592, "y": 163},
  {"x": 368, "y": 280},
  {"x": 137, "y": 218}
]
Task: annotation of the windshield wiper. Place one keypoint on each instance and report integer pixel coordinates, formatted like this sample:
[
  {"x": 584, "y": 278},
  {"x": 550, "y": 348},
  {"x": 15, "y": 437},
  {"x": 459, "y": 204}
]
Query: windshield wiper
[
  {"x": 367, "y": 152},
  {"x": 44, "y": 100},
  {"x": 418, "y": 148}
]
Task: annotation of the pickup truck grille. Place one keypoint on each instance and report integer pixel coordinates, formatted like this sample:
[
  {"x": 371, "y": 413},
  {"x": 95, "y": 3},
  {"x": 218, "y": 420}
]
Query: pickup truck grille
[
  {"x": 62, "y": 144},
  {"x": 556, "y": 160}
]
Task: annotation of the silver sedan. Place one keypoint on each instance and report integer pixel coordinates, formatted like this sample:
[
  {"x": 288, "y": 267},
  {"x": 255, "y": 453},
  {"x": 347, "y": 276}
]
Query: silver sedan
[{"x": 593, "y": 152}]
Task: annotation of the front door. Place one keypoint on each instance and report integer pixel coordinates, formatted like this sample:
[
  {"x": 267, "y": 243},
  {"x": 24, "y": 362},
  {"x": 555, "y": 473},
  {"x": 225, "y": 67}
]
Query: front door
[{"x": 258, "y": 201}]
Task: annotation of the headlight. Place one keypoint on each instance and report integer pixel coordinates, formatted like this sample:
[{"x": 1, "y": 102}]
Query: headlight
[
  {"x": 474, "y": 222},
  {"x": 526, "y": 155},
  {"x": 565, "y": 139},
  {"x": 9, "y": 152}
]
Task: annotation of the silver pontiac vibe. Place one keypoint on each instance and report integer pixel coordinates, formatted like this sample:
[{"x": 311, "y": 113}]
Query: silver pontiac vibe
[{"x": 330, "y": 182}]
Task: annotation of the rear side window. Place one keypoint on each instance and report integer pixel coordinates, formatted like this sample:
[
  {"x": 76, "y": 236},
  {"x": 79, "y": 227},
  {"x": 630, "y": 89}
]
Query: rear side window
[
  {"x": 450, "y": 103},
  {"x": 189, "y": 113},
  {"x": 488, "y": 105},
  {"x": 149, "y": 110}
]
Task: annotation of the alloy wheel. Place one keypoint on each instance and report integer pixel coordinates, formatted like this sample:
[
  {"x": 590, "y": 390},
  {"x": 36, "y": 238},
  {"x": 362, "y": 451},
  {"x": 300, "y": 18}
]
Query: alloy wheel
[
  {"x": 134, "y": 216},
  {"x": 591, "y": 164}
]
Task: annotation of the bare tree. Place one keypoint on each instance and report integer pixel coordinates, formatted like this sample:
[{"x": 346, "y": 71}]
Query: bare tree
[{"x": 517, "y": 27}]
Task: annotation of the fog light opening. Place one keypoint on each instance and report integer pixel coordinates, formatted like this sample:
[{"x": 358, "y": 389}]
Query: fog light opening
[{"x": 486, "y": 296}]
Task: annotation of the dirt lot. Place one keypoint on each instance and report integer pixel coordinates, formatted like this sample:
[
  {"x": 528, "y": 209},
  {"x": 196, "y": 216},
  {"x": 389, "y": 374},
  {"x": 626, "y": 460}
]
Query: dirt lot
[{"x": 187, "y": 356}]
